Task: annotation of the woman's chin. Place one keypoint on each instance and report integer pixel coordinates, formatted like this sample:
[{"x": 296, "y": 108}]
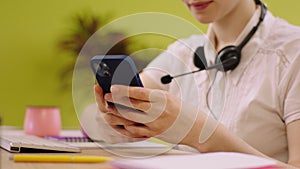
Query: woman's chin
[{"x": 204, "y": 20}]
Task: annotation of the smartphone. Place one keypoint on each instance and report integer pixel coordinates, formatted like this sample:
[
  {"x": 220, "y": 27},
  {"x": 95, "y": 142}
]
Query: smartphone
[{"x": 115, "y": 69}]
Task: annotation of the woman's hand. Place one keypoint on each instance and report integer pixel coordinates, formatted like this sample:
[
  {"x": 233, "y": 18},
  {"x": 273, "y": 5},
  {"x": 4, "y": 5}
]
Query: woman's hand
[
  {"x": 110, "y": 125},
  {"x": 163, "y": 116}
]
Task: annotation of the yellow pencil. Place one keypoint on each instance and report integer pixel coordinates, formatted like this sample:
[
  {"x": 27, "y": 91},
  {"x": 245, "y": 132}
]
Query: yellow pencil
[{"x": 60, "y": 158}]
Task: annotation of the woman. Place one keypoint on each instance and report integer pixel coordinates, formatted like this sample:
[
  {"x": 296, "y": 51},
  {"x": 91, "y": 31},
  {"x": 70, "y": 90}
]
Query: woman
[{"x": 257, "y": 107}]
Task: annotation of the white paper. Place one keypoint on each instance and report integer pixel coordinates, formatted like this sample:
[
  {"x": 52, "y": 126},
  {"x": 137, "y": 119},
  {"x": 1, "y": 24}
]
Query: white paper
[{"x": 219, "y": 160}]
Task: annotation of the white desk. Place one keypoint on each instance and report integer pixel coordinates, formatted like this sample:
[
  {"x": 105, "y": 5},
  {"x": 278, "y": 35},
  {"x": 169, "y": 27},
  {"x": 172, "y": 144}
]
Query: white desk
[{"x": 7, "y": 163}]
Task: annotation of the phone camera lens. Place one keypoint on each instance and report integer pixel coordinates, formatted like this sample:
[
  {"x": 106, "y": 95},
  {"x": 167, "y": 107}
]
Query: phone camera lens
[
  {"x": 103, "y": 70},
  {"x": 104, "y": 65},
  {"x": 106, "y": 73}
]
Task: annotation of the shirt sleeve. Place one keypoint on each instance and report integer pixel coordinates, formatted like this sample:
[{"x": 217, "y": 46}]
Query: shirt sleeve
[
  {"x": 291, "y": 93},
  {"x": 158, "y": 68},
  {"x": 175, "y": 60}
]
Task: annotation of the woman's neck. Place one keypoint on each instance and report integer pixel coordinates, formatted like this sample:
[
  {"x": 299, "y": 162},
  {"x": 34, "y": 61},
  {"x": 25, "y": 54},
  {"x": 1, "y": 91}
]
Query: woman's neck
[{"x": 229, "y": 28}]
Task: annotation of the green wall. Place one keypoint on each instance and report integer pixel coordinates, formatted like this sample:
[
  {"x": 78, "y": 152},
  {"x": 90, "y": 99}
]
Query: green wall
[{"x": 31, "y": 63}]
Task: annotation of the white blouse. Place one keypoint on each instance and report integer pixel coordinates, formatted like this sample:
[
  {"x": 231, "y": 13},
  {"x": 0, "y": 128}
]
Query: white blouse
[{"x": 262, "y": 94}]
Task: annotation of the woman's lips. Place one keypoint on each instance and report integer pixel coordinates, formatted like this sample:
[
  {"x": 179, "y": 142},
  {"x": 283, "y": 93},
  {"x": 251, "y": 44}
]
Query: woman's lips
[{"x": 200, "y": 5}]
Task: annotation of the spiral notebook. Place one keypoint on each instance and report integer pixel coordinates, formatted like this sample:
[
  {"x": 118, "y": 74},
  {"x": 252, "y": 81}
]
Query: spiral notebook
[
  {"x": 79, "y": 141},
  {"x": 85, "y": 142},
  {"x": 70, "y": 138}
]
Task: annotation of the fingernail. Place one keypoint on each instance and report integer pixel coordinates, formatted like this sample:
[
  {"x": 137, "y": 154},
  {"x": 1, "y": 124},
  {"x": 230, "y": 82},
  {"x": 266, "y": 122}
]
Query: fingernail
[
  {"x": 114, "y": 89},
  {"x": 107, "y": 97}
]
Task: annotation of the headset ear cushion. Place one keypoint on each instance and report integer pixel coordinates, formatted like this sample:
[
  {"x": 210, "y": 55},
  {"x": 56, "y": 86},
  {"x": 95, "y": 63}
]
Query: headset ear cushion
[
  {"x": 199, "y": 58},
  {"x": 228, "y": 57}
]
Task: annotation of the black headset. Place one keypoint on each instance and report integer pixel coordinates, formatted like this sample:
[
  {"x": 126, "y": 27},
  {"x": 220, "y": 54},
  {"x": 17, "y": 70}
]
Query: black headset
[{"x": 229, "y": 57}]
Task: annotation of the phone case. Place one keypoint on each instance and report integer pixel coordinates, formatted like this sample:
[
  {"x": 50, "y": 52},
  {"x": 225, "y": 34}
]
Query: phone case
[{"x": 115, "y": 69}]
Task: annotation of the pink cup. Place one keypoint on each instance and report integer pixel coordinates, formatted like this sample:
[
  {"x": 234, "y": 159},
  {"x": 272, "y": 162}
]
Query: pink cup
[{"x": 42, "y": 121}]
